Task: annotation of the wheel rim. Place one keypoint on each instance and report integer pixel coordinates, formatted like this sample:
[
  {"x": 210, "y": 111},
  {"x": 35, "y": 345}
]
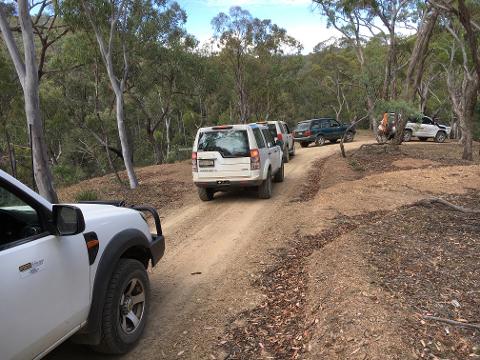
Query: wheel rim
[
  {"x": 441, "y": 137},
  {"x": 320, "y": 140},
  {"x": 349, "y": 137},
  {"x": 407, "y": 136},
  {"x": 132, "y": 306}
]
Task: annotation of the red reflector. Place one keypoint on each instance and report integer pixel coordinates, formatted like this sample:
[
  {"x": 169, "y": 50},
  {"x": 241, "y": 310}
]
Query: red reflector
[
  {"x": 307, "y": 133},
  {"x": 194, "y": 156},
  {"x": 222, "y": 127},
  {"x": 92, "y": 243},
  {"x": 280, "y": 136}
]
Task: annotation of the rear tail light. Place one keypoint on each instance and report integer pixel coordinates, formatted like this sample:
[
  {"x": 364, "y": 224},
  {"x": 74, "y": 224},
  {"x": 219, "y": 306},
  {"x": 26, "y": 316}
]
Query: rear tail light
[
  {"x": 280, "y": 136},
  {"x": 254, "y": 159},
  {"x": 307, "y": 133},
  {"x": 194, "y": 162}
]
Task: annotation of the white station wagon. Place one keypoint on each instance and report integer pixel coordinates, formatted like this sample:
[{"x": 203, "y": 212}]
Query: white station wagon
[{"x": 230, "y": 156}]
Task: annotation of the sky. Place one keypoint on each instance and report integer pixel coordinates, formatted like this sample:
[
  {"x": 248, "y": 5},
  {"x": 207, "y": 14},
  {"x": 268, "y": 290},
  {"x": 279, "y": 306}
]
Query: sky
[{"x": 298, "y": 17}]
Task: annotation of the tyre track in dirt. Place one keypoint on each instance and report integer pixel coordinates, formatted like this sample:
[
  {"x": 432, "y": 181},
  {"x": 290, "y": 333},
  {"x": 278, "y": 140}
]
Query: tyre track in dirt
[{"x": 225, "y": 240}]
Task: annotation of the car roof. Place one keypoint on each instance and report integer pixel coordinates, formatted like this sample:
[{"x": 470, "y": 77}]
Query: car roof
[{"x": 225, "y": 127}]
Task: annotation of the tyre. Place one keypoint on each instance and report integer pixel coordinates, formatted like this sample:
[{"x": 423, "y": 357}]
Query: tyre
[
  {"x": 205, "y": 194},
  {"x": 265, "y": 189},
  {"x": 440, "y": 137},
  {"x": 333, "y": 141},
  {"x": 422, "y": 138},
  {"x": 349, "y": 136},
  {"x": 304, "y": 144},
  {"x": 407, "y": 135},
  {"x": 280, "y": 174},
  {"x": 126, "y": 308},
  {"x": 286, "y": 156},
  {"x": 320, "y": 140}
]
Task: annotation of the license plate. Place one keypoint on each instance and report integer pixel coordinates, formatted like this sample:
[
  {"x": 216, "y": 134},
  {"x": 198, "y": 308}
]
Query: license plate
[{"x": 206, "y": 163}]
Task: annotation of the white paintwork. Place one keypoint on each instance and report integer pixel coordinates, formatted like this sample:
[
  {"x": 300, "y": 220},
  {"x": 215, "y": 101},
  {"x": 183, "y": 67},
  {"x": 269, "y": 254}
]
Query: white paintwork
[
  {"x": 237, "y": 169},
  {"x": 426, "y": 128},
  {"x": 39, "y": 311}
]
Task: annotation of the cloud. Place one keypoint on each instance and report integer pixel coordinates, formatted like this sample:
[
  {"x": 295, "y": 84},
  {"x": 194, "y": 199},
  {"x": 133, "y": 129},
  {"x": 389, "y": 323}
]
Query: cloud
[{"x": 311, "y": 34}]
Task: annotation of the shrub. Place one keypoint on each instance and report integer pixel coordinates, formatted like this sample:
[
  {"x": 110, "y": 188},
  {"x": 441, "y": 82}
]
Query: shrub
[{"x": 86, "y": 195}]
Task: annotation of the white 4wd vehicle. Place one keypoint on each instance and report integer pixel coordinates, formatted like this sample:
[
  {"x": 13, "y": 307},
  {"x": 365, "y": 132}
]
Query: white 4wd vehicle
[
  {"x": 424, "y": 128},
  {"x": 71, "y": 270},
  {"x": 281, "y": 133},
  {"x": 236, "y": 156}
]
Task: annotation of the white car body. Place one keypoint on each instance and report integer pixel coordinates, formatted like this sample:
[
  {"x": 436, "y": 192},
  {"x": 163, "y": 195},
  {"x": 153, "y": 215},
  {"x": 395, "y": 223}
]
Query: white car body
[
  {"x": 213, "y": 170},
  {"x": 427, "y": 128},
  {"x": 47, "y": 282},
  {"x": 282, "y": 133}
]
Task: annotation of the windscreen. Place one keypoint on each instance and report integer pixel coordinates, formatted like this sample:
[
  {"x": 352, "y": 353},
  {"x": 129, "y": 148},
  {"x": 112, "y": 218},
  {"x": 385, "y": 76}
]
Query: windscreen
[
  {"x": 229, "y": 143},
  {"x": 303, "y": 126}
]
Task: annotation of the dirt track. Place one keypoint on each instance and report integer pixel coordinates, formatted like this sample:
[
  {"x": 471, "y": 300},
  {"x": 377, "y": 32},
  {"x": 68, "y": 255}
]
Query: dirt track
[
  {"x": 226, "y": 240},
  {"x": 216, "y": 249}
]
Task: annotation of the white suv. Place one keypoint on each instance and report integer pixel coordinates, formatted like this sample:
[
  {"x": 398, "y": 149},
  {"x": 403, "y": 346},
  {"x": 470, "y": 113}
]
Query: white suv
[
  {"x": 236, "y": 156},
  {"x": 424, "y": 128},
  {"x": 281, "y": 133},
  {"x": 72, "y": 270}
]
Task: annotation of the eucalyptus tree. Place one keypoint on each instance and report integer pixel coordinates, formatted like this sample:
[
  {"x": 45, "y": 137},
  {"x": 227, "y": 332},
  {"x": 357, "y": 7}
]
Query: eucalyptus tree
[
  {"x": 27, "y": 71},
  {"x": 242, "y": 38}
]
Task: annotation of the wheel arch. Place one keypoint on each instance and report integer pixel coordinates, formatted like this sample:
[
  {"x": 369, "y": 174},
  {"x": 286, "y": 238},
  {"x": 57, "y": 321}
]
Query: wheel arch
[{"x": 127, "y": 244}]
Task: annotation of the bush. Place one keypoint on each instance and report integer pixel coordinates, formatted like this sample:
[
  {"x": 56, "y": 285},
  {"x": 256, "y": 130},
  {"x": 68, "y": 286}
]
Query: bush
[{"x": 86, "y": 195}]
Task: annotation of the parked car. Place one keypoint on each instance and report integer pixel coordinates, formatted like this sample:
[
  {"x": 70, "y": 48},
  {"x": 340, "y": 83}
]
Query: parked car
[
  {"x": 281, "y": 132},
  {"x": 230, "y": 156},
  {"x": 72, "y": 270},
  {"x": 425, "y": 128},
  {"x": 318, "y": 131}
]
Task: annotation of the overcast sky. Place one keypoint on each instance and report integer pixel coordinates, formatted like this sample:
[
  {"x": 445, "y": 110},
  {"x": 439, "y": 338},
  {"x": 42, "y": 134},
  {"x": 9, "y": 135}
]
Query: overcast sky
[{"x": 298, "y": 17}]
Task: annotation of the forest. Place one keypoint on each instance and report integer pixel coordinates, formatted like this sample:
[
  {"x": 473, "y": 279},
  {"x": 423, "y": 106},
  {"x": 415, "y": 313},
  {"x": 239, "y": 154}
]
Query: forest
[{"x": 95, "y": 87}]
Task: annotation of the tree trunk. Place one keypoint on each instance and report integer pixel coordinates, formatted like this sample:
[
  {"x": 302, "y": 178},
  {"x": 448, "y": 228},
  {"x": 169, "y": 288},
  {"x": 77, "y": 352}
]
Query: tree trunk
[
  {"x": 157, "y": 150},
  {"x": 122, "y": 132},
  {"x": 11, "y": 154},
  {"x": 27, "y": 72}
]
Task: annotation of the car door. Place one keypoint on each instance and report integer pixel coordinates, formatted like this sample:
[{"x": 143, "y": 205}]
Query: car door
[
  {"x": 326, "y": 129},
  {"x": 288, "y": 135},
  {"x": 429, "y": 129},
  {"x": 262, "y": 146},
  {"x": 44, "y": 282},
  {"x": 274, "y": 151},
  {"x": 336, "y": 130}
]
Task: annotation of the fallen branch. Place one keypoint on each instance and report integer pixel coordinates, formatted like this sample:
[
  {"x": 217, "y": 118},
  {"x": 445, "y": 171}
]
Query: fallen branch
[
  {"x": 451, "y": 322},
  {"x": 448, "y": 204}
]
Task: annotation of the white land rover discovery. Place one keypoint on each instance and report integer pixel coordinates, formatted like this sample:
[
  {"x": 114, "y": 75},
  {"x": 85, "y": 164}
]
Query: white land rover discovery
[
  {"x": 236, "y": 156},
  {"x": 72, "y": 270}
]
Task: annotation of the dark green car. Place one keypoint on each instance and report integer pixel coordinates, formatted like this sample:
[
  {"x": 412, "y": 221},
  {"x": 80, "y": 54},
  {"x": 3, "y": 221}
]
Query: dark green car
[{"x": 318, "y": 131}]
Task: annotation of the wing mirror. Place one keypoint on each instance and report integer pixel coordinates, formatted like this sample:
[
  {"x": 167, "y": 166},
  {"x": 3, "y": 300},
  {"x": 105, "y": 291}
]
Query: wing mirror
[{"x": 67, "y": 220}]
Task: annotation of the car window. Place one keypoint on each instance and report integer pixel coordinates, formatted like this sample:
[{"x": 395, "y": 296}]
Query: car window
[
  {"x": 316, "y": 125},
  {"x": 229, "y": 143},
  {"x": 18, "y": 220},
  {"x": 259, "y": 138},
  {"x": 334, "y": 123},
  {"x": 325, "y": 124},
  {"x": 273, "y": 130},
  {"x": 287, "y": 129},
  {"x": 426, "y": 121},
  {"x": 303, "y": 126},
  {"x": 268, "y": 137}
]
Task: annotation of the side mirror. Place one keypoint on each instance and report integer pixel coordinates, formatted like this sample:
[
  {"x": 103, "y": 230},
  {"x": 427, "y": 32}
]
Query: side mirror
[{"x": 67, "y": 220}]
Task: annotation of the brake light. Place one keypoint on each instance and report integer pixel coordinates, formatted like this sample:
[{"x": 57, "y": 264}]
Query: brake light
[
  {"x": 307, "y": 133},
  {"x": 254, "y": 159},
  {"x": 280, "y": 136},
  {"x": 194, "y": 162}
]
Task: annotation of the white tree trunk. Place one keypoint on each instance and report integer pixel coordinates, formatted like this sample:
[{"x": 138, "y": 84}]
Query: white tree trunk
[{"x": 27, "y": 72}]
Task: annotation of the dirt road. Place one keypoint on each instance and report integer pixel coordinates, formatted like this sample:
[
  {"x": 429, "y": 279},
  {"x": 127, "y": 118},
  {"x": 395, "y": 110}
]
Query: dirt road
[{"x": 225, "y": 242}]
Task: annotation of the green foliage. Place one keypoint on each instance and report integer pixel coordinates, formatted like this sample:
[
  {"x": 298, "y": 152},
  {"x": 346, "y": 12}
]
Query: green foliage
[{"x": 86, "y": 195}]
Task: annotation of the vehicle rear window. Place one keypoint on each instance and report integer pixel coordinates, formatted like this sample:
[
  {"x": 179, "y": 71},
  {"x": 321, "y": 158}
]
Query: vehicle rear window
[
  {"x": 303, "y": 126},
  {"x": 273, "y": 130},
  {"x": 229, "y": 143}
]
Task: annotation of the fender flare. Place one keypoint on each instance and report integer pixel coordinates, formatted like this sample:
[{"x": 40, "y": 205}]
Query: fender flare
[
  {"x": 127, "y": 239},
  {"x": 267, "y": 166}
]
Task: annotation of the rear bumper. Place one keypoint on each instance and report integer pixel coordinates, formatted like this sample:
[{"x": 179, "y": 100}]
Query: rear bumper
[
  {"x": 304, "y": 139},
  {"x": 157, "y": 248},
  {"x": 225, "y": 184}
]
